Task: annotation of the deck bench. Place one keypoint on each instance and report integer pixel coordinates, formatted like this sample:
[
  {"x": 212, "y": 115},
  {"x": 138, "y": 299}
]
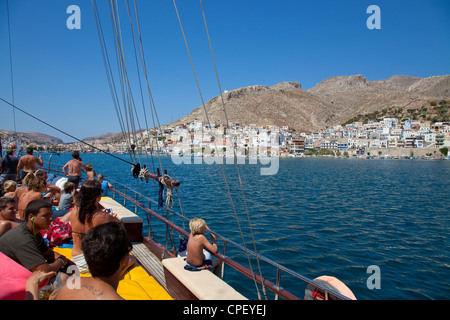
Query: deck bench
[
  {"x": 196, "y": 285},
  {"x": 132, "y": 222}
]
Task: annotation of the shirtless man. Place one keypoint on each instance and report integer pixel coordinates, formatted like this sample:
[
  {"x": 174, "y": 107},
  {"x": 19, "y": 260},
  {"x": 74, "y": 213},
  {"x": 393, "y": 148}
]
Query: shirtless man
[
  {"x": 197, "y": 243},
  {"x": 8, "y": 218},
  {"x": 74, "y": 166},
  {"x": 106, "y": 242},
  {"x": 28, "y": 163}
]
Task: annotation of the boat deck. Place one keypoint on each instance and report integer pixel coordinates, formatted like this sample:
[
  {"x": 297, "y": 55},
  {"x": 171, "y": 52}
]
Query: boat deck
[{"x": 149, "y": 262}]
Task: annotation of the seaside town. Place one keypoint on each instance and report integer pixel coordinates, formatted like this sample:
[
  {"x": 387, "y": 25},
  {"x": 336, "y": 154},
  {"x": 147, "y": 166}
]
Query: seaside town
[{"x": 386, "y": 138}]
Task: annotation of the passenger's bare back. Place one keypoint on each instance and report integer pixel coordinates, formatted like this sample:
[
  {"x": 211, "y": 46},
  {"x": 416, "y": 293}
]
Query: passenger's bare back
[{"x": 28, "y": 163}]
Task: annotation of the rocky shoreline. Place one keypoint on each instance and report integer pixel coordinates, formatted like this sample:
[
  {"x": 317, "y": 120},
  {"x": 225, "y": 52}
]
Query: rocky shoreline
[{"x": 392, "y": 153}]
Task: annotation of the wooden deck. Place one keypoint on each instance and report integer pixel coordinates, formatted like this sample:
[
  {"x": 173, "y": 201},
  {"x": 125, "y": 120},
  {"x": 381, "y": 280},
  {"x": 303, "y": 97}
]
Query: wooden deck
[{"x": 149, "y": 262}]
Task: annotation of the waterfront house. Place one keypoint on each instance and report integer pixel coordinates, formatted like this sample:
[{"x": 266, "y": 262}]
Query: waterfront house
[
  {"x": 328, "y": 144},
  {"x": 342, "y": 145},
  {"x": 440, "y": 140},
  {"x": 297, "y": 146}
]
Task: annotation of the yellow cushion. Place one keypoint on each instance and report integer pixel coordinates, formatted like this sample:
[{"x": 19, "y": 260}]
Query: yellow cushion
[{"x": 136, "y": 284}]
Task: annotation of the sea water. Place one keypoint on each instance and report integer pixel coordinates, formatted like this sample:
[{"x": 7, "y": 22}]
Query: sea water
[{"x": 336, "y": 217}]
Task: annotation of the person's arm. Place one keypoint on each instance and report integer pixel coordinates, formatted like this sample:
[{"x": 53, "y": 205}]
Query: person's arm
[
  {"x": 19, "y": 166},
  {"x": 57, "y": 261},
  {"x": 211, "y": 247},
  {"x": 53, "y": 188},
  {"x": 4, "y": 227},
  {"x": 33, "y": 282},
  {"x": 40, "y": 161},
  {"x": 63, "y": 168},
  {"x": 105, "y": 218},
  {"x": 48, "y": 267},
  {"x": 213, "y": 236},
  {"x": 51, "y": 255}
]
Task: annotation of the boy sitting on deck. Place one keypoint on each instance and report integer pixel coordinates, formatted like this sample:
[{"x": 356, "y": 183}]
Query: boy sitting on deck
[
  {"x": 66, "y": 202},
  {"x": 197, "y": 242}
]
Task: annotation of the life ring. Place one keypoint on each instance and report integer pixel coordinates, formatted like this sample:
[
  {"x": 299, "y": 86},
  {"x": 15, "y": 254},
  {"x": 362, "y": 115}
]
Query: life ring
[{"x": 313, "y": 292}]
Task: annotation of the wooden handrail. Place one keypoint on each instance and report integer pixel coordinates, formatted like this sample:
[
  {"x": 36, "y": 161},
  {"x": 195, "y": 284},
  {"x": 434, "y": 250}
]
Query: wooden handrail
[
  {"x": 245, "y": 271},
  {"x": 237, "y": 266}
]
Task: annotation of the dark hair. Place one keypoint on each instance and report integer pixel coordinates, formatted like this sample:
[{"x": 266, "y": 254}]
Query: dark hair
[
  {"x": 4, "y": 202},
  {"x": 76, "y": 154},
  {"x": 68, "y": 187},
  {"x": 30, "y": 150},
  {"x": 34, "y": 206},
  {"x": 103, "y": 248},
  {"x": 86, "y": 201}
]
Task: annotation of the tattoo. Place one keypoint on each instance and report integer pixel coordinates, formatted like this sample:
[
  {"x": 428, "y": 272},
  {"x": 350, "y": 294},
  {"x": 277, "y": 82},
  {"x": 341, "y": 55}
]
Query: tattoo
[
  {"x": 55, "y": 293},
  {"x": 95, "y": 292}
]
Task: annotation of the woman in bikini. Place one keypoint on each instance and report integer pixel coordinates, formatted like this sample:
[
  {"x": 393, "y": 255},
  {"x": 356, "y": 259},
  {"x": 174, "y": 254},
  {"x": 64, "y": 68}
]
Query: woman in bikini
[{"x": 87, "y": 214}]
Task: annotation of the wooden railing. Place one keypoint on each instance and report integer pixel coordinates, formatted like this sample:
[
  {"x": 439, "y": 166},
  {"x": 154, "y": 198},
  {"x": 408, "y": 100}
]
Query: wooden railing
[{"x": 131, "y": 195}]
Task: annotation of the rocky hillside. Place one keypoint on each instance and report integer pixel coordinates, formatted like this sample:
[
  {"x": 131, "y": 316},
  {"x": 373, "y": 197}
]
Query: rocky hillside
[
  {"x": 31, "y": 137},
  {"x": 107, "y": 137},
  {"x": 333, "y": 101},
  {"x": 284, "y": 104}
]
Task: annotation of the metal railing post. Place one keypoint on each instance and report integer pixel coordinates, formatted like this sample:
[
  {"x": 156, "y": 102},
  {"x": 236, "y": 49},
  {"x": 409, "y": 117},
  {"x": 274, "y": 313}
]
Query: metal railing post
[
  {"x": 222, "y": 271},
  {"x": 278, "y": 282},
  {"x": 135, "y": 206}
]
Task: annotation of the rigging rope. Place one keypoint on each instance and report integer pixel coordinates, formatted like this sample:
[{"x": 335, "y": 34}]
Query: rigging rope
[
  {"x": 152, "y": 103},
  {"x": 131, "y": 137},
  {"x": 169, "y": 191},
  {"x": 139, "y": 75},
  {"x": 67, "y": 134},
  {"x": 11, "y": 65},
  {"x": 234, "y": 150},
  {"x": 221, "y": 165},
  {"x": 109, "y": 74},
  {"x": 127, "y": 114}
]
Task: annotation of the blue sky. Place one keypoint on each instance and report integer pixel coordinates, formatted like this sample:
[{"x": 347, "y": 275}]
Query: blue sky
[{"x": 59, "y": 74}]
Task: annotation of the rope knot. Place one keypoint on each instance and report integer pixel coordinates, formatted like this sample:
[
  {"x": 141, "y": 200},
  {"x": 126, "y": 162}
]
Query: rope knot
[{"x": 169, "y": 190}]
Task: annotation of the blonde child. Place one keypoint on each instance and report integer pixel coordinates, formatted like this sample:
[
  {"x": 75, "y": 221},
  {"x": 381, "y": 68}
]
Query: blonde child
[
  {"x": 197, "y": 243},
  {"x": 9, "y": 187}
]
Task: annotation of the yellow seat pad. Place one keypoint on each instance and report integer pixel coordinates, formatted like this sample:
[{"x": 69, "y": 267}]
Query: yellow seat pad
[{"x": 136, "y": 284}]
